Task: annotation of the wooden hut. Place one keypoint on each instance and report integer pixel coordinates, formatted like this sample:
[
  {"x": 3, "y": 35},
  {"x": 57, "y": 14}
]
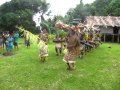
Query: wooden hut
[{"x": 109, "y": 26}]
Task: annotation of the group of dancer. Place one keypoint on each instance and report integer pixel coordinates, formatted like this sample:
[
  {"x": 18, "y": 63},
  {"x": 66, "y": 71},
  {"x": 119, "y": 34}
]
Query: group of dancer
[{"x": 75, "y": 43}]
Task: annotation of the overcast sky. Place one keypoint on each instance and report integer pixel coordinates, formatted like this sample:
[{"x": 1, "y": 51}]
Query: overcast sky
[
  {"x": 60, "y": 7},
  {"x": 3, "y": 1}
]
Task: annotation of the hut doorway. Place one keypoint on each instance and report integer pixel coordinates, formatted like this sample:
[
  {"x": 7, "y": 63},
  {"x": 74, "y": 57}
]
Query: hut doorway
[
  {"x": 115, "y": 30},
  {"x": 115, "y": 34}
]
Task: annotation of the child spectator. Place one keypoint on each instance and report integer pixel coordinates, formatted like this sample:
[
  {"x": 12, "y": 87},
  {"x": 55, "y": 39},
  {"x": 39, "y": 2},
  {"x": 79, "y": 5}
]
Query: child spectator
[
  {"x": 28, "y": 42},
  {"x": 9, "y": 43}
]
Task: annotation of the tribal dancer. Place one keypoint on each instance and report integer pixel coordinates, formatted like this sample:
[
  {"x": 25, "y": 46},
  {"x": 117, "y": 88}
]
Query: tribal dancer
[{"x": 73, "y": 44}]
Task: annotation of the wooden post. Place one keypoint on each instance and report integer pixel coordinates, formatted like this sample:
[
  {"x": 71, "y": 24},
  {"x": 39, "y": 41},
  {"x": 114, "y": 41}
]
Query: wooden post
[
  {"x": 104, "y": 38},
  {"x": 118, "y": 38},
  {"x": 113, "y": 38}
]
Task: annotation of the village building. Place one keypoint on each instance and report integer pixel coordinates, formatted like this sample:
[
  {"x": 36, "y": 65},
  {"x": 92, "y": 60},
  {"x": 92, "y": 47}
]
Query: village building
[{"x": 109, "y": 26}]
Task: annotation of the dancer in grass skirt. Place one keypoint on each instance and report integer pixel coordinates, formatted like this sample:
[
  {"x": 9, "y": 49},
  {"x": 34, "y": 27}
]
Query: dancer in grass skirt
[
  {"x": 43, "y": 51},
  {"x": 73, "y": 44}
]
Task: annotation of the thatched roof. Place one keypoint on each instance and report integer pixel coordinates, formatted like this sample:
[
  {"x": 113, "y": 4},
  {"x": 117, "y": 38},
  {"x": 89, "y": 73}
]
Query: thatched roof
[{"x": 103, "y": 20}]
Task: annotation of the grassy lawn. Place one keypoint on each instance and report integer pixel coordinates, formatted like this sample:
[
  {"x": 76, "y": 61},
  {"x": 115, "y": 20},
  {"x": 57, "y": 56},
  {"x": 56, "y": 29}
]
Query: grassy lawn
[{"x": 98, "y": 70}]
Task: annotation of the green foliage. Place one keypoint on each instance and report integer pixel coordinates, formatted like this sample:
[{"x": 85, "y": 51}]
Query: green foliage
[
  {"x": 107, "y": 7},
  {"x": 8, "y": 23},
  {"x": 20, "y": 13},
  {"x": 62, "y": 33},
  {"x": 114, "y": 8},
  {"x": 50, "y": 23},
  {"x": 45, "y": 25},
  {"x": 101, "y": 7},
  {"x": 80, "y": 11}
]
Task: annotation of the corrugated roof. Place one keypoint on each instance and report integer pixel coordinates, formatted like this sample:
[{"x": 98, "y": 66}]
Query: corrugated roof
[{"x": 103, "y": 20}]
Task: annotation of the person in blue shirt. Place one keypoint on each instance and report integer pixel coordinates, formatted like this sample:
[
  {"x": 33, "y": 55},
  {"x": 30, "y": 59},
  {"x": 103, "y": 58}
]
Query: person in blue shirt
[
  {"x": 16, "y": 37},
  {"x": 9, "y": 43}
]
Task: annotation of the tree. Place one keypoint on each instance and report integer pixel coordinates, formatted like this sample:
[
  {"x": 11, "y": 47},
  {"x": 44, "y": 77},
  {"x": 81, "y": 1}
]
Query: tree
[
  {"x": 101, "y": 7},
  {"x": 114, "y": 8},
  {"x": 20, "y": 12},
  {"x": 106, "y": 7},
  {"x": 70, "y": 14},
  {"x": 80, "y": 11}
]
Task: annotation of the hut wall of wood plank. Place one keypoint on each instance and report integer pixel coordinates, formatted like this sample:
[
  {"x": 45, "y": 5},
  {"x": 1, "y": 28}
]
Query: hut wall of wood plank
[{"x": 109, "y": 26}]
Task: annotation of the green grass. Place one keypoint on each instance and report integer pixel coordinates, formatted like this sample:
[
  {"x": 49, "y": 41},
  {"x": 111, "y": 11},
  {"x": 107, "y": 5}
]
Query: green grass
[{"x": 98, "y": 70}]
